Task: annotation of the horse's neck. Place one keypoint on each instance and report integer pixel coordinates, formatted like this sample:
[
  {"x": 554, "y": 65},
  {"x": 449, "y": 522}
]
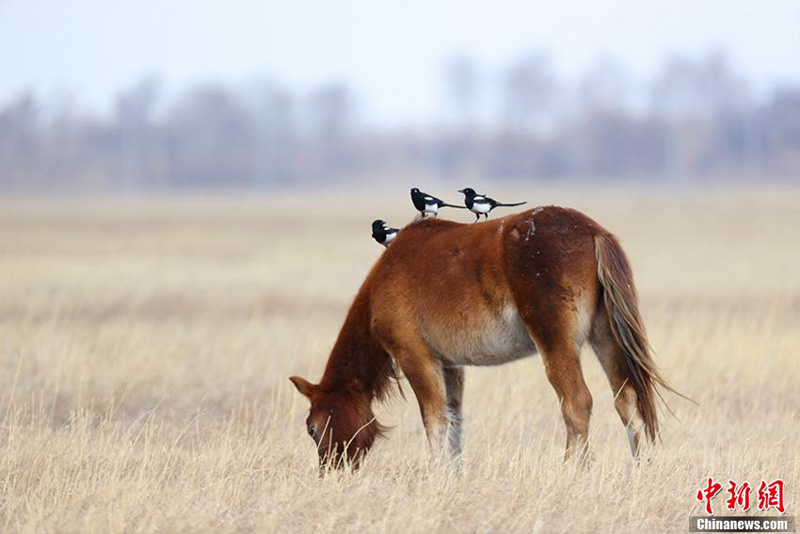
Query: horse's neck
[{"x": 357, "y": 362}]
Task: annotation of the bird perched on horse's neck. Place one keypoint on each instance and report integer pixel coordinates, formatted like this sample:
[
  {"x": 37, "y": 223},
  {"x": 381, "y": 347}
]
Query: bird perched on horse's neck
[
  {"x": 425, "y": 203},
  {"x": 481, "y": 204},
  {"x": 383, "y": 233}
]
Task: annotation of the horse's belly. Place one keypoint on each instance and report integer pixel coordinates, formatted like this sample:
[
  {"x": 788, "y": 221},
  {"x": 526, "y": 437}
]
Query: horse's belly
[{"x": 498, "y": 339}]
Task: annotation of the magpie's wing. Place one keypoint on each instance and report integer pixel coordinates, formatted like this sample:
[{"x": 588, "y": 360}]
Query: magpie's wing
[
  {"x": 420, "y": 200},
  {"x": 480, "y": 199}
]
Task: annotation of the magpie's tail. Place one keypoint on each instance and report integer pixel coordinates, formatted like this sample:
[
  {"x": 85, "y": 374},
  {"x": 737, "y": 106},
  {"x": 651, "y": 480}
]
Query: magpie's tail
[
  {"x": 445, "y": 204},
  {"x": 511, "y": 205}
]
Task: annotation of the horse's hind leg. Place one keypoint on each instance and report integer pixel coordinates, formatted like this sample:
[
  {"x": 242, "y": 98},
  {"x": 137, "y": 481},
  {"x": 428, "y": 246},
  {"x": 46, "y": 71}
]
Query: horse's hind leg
[
  {"x": 454, "y": 385},
  {"x": 612, "y": 360},
  {"x": 563, "y": 368},
  {"x": 558, "y": 332}
]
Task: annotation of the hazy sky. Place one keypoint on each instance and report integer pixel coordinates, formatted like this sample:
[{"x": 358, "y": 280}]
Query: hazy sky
[{"x": 391, "y": 52}]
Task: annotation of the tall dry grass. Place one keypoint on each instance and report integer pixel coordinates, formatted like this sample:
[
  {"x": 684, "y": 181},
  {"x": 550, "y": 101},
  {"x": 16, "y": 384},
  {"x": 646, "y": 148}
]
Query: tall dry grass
[{"x": 145, "y": 346}]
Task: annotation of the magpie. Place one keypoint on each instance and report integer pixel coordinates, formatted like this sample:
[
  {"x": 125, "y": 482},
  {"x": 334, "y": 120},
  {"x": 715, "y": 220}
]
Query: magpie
[
  {"x": 383, "y": 233},
  {"x": 426, "y": 203},
  {"x": 481, "y": 204}
]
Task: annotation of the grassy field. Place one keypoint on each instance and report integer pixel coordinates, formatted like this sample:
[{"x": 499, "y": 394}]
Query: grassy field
[{"x": 145, "y": 348}]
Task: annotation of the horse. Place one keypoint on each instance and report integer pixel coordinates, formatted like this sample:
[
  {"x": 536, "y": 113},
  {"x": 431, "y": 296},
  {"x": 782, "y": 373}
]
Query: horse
[{"x": 446, "y": 295}]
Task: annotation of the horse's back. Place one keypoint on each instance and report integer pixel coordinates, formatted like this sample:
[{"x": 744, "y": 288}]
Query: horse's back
[{"x": 551, "y": 238}]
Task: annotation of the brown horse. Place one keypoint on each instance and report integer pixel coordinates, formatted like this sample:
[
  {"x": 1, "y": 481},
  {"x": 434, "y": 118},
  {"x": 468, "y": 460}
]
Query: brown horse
[{"x": 446, "y": 295}]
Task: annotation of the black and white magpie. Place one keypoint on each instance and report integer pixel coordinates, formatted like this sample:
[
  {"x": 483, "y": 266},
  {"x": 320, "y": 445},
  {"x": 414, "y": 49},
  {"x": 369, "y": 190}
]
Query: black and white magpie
[
  {"x": 383, "y": 233},
  {"x": 481, "y": 204},
  {"x": 426, "y": 203}
]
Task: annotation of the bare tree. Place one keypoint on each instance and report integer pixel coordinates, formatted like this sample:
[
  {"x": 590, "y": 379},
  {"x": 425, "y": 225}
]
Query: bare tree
[
  {"x": 604, "y": 135},
  {"x": 331, "y": 110},
  {"x": 457, "y": 148},
  {"x": 529, "y": 89},
  {"x": 18, "y": 136},
  {"x": 703, "y": 101},
  {"x": 274, "y": 116},
  {"x": 606, "y": 87},
  {"x": 689, "y": 88},
  {"x": 462, "y": 81},
  {"x": 135, "y": 108},
  {"x": 211, "y": 139}
]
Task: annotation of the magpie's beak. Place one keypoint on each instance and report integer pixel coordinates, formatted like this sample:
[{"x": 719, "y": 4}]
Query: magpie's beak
[{"x": 460, "y": 190}]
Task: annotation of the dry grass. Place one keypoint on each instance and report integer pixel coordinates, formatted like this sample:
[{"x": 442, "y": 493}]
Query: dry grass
[{"x": 145, "y": 348}]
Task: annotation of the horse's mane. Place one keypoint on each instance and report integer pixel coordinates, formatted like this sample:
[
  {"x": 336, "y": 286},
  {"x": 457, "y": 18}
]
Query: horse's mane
[{"x": 358, "y": 362}]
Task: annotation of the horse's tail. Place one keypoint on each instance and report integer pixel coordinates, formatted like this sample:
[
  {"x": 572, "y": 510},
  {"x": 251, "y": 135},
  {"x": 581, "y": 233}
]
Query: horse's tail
[{"x": 622, "y": 307}]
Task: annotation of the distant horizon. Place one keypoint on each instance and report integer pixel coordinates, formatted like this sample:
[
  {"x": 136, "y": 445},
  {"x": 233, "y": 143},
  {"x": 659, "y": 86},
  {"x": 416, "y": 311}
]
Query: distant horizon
[{"x": 391, "y": 56}]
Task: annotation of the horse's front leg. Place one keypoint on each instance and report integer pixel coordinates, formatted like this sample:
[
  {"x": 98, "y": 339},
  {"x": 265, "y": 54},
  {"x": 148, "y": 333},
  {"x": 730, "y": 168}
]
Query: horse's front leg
[
  {"x": 425, "y": 374},
  {"x": 454, "y": 386},
  {"x": 431, "y": 382}
]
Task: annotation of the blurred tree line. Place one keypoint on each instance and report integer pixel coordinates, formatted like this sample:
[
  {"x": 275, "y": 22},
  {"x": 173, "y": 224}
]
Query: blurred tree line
[{"x": 699, "y": 117}]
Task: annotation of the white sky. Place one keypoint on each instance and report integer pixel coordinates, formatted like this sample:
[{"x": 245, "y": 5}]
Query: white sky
[{"x": 391, "y": 52}]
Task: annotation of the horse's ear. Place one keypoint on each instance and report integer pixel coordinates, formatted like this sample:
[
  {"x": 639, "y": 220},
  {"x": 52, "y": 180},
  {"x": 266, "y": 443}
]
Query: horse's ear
[{"x": 303, "y": 386}]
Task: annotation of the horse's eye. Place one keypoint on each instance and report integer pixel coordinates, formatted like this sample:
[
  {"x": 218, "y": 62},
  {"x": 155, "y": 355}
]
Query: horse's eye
[
  {"x": 312, "y": 429},
  {"x": 330, "y": 412}
]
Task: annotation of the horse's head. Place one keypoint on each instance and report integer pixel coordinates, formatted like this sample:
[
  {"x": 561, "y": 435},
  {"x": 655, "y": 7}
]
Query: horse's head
[{"x": 341, "y": 423}]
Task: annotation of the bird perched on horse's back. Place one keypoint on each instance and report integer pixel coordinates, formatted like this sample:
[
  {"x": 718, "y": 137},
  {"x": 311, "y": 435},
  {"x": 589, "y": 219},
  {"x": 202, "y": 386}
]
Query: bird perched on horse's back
[
  {"x": 481, "y": 204},
  {"x": 425, "y": 203},
  {"x": 383, "y": 233}
]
